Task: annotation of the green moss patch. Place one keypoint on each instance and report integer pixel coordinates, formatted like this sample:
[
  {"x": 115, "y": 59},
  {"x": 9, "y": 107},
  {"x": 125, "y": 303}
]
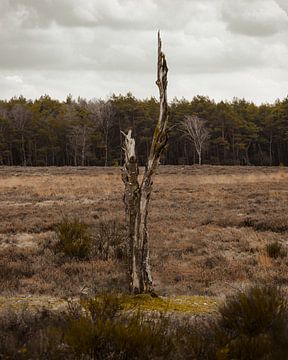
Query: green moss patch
[
  {"x": 144, "y": 302},
  {"x": 182, "y": 304}
]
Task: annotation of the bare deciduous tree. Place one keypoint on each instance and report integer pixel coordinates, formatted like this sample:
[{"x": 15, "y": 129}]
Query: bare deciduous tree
[
  {"x": 79, "y": 142},
  {"x": 103, "y": 113},
  {"x": 195, "y": 129},
  {"x": 80, "y": 130},
  {"x": 20, "y": 116},
  {"x": 73, "y": 138},
  {"x": 137, "y": 193}
]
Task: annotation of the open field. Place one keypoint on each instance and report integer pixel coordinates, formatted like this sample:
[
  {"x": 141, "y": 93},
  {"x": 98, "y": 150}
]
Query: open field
[{"x": 209, "y": 228}]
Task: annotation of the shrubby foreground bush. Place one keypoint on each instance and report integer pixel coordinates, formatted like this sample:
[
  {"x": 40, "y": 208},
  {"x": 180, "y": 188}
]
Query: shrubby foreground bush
[
  {"x": 76, "y": 240},
  {"x": 249, "y": 325},
  {"x": 73, "y": 239},
  {"x": 253, "y": 325},
  {"x": 110, "y": 240},
  {"x": 102, "y": 333},
  {"x": 275, "y": 250}
]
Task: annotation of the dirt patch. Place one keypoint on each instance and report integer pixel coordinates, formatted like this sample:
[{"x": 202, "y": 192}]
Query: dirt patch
[{"x": 24, "y": 240}]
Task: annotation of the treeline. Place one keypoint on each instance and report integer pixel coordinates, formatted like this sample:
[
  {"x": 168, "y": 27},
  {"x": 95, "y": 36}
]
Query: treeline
[{"x": 47, "y": 132}]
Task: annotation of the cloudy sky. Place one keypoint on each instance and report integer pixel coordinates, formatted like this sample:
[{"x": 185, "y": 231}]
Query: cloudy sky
[{"x": 92, "y": 48}]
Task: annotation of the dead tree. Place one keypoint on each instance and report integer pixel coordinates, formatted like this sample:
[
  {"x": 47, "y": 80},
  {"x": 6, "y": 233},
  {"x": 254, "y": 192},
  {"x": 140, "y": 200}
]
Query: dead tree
[
  {"x": 20, "y": 116},
  {"x": 194, "y": 128},
  {"x": 137, "y": 193}
]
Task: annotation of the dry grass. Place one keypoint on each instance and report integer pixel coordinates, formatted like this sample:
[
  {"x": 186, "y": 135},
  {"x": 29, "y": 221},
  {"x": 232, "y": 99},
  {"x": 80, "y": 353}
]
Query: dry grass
[{"x": 209, "y": 227}]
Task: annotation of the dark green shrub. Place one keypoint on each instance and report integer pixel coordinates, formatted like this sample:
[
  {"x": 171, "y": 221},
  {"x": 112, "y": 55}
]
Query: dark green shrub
[
  {"x": 275, "y": 250},
  {"x": 106, "y": 306},
  {"x": 100, "y": 334},
  {"x": 250, "y": 325},
  {"x": 195, "y": 341},
  {"x": 26, "y": 334},
  {"x": 253, "y": 325},
  {"x": 133, "y": 339},
  {"x": 73, "y": 239}
]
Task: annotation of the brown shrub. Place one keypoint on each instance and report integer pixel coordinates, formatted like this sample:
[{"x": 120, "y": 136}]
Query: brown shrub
[
  {"x": 110, "y": 240},
  {"x": 73, "y": 239}
]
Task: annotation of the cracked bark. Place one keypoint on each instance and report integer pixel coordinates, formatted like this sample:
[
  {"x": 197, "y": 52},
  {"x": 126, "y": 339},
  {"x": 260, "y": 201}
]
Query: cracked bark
[{"x": 137, "y": 193}]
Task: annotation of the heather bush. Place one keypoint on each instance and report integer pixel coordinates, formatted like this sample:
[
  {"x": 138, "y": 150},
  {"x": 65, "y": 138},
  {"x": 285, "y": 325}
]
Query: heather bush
[
  {"x": 253, "y": 325},
  {"x": 110, "y": 242},
  {"x": 106, "y": 306},
  {"x": 73, "y": 239},
  {"x": 275, "y": 250},
  {"x": 26, "y": 334},
  {"x": 103, "y": 332},
  {"x": 196, "y": 340}
]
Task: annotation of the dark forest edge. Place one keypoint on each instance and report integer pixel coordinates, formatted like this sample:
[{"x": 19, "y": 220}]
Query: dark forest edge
[{"x": 48, "y": 132}]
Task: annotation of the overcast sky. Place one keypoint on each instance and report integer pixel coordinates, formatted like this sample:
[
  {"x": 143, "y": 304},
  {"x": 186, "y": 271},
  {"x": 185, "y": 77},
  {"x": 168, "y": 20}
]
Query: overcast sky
[{"x": 93, "y": 48}]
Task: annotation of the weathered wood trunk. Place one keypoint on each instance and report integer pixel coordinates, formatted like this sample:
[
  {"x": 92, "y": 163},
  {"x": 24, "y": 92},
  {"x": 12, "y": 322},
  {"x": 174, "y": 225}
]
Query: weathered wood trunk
[
  {"x": 199, "y": 156},
  {"x": 137, "y": 195}
]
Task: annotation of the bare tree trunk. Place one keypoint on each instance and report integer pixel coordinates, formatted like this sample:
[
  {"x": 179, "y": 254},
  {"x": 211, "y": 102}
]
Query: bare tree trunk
[
  {"x": 270, "y": 150},
  {"x": 261, "y": 154},
  {"x": 130, "y": 174},
  {"x": 106, "y": 147},
  {"x": 24, "y": 163},
  {"x": 247, "y": 154},
  {"x": 137, "y": 195},
  {"x": 200, "y": 156},
  {"x": 233, "y": 148},
  {"x": 75, "y": 157},
  {"x": 83, "y": 150},
  {"x": 194, "y": 128}
]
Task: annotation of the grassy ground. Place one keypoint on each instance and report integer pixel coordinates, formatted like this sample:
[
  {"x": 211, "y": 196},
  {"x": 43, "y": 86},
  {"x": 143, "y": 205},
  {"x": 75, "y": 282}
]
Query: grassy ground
[
  {"x": 177, "y": 304},
  {"x": 181, "y": 304},
  {"x": 209, "y": 228}
]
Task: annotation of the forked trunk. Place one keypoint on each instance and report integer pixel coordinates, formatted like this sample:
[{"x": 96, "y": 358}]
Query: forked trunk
[{"x": 137, "y": 195}]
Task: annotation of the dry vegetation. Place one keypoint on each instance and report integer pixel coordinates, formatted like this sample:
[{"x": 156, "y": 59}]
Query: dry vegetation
[{"x": 210, "y": 228}]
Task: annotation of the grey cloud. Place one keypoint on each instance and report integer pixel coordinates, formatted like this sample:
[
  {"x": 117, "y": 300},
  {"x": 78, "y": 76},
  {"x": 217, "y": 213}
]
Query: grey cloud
[
  {"x": 283, "y": 4},
  {"x": 35, "y": 13},
  {"x": 66, "y": 50},
  {"x": 214, "y": 55},
  {"x": 102, "y": 46},
  {"x": 124, "y": 52},
  {"x": 118, "y": 14},
  {"x": 254, "y": 18}
]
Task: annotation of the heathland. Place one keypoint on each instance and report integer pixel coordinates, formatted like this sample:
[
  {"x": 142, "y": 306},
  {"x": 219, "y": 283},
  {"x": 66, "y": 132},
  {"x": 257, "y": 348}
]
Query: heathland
[
  {"x": 211, "y": 229},
  {"x": 215, "y": 231}
]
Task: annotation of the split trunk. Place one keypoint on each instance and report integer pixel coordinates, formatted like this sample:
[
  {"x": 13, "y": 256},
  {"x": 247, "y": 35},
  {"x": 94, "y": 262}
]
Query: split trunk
[{"x": 137, "y": 194}]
